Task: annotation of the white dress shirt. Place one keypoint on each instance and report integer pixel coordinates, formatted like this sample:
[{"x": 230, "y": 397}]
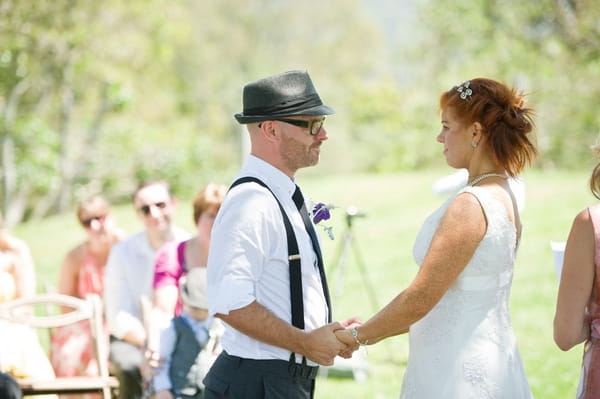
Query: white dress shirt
[
  {"x": 248, "y": 259},
  {"x": 128, "y": 275}
]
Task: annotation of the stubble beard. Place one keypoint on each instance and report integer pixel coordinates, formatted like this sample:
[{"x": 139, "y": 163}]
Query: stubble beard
[{"x": 298, "y": 155}]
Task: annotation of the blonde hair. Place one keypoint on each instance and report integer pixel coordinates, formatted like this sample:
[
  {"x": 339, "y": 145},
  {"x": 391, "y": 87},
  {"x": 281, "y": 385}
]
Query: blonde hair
[
  {"x": 210, "y": 196},
  {"x": 93, "y": 205}
]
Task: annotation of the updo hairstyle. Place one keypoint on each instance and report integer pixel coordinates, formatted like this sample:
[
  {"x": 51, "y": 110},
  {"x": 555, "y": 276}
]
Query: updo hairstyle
[{"x": 506, "y": 122}]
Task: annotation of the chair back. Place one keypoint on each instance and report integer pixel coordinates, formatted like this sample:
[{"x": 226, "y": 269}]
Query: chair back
[{"x": 53, "y": 310}]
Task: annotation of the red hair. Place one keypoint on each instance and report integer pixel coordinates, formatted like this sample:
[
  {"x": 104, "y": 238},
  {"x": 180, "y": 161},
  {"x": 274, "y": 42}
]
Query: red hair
[{"x": 506, "y": 122}]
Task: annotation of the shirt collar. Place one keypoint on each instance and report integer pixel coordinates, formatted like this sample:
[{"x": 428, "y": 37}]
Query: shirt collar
[{"x": 270, "y": 174}]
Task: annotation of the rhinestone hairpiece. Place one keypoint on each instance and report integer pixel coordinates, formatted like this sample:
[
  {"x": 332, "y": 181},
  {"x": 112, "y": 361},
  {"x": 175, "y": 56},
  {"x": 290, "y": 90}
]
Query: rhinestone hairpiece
[{"x": 464, "y": 90}]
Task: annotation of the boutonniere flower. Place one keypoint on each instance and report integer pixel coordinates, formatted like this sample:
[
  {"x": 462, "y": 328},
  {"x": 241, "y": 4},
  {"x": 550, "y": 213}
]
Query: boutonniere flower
[{"x": 320, "y": 212}]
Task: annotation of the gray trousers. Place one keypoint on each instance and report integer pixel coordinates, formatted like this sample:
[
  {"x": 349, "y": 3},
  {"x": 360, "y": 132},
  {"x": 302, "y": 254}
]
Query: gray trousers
[{"x": 232, "y": 377}]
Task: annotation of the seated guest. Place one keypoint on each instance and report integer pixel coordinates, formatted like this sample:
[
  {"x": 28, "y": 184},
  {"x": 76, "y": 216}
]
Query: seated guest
[
  {"x": 129, "y": 274},
  {"x": 17, "y": 262},
  {"x": 81, "y": 274},
  {"x": 21, "y": 354},
  {"x": 175, "y": 259},
  {"x": 189, "y": 346}
]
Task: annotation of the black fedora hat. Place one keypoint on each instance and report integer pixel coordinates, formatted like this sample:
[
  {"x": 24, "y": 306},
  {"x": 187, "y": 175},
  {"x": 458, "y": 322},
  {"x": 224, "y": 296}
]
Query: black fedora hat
[{"x": 287, "y": 94}]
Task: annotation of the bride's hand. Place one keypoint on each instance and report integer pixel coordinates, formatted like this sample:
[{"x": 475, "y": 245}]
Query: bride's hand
[{"x": 345, "y": 336}]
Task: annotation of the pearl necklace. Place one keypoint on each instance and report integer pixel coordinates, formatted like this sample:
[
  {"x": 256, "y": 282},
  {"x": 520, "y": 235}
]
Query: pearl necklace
[{"x": 485, "y": 176}]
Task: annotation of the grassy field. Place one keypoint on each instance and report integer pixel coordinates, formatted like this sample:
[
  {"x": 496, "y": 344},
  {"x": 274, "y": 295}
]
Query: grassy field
[{"x": 394, "y": 208}]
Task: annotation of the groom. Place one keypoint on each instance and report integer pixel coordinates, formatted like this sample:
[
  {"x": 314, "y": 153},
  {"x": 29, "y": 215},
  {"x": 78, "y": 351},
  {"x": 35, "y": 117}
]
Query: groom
[{"x": 265, "y": 267}]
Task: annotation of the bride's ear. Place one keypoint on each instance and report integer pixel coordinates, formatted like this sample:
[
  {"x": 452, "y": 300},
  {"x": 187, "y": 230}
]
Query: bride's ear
[{"x": 477, "y": 131}]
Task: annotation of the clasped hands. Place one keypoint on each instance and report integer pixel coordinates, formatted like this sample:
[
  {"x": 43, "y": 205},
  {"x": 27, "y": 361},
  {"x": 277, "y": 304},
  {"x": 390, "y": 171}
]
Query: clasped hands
[{"x": 325, "y": 343}]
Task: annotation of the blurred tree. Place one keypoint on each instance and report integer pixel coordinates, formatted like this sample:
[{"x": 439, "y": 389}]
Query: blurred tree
[
  {"x": 548, "y": 48},
  {"x": 95, "y": 96}
]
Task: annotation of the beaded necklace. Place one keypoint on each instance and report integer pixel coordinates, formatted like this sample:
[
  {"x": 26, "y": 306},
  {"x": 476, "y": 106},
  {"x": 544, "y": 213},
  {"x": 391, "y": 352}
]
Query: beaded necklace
[{"x": 485, "y": 176}]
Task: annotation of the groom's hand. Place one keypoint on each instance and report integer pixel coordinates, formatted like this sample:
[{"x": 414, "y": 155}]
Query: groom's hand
[{"x": 322, "y": 346}]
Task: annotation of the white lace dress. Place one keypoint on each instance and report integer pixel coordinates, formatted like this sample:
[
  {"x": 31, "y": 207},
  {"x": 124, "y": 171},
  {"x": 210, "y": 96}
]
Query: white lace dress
[{"x": 464, "y": 348}]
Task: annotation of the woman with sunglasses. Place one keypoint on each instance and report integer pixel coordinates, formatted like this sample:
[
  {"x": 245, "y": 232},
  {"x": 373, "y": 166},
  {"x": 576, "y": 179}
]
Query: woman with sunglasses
[{"x": 82, "y": 273}]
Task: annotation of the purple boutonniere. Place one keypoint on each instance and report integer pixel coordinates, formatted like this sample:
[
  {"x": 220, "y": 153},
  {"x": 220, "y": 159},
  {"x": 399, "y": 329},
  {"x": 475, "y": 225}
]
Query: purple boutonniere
[{"x": 320, "y": 212}]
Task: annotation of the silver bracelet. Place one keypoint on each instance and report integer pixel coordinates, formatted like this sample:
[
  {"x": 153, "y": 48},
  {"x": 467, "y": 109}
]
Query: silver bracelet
[{"x": 355, "y": 336}]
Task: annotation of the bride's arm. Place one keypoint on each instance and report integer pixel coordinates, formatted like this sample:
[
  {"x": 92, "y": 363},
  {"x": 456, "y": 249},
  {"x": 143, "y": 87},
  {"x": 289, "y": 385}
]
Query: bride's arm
[{"x": 461, "y": 229}]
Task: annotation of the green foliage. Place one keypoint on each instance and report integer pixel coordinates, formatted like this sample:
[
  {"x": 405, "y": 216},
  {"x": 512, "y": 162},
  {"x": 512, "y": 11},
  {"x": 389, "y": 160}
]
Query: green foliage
[
  {"x": 96, "y": 95},
  {"x": 548, "y": 49}
]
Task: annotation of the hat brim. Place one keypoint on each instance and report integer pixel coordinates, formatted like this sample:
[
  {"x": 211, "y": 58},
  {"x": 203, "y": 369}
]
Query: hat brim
[{"x": 318, "y": 110}]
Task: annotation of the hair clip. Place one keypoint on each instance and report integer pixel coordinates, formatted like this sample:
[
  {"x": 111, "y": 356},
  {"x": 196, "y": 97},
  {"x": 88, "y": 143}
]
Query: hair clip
[{"x": 464, "y": 90}]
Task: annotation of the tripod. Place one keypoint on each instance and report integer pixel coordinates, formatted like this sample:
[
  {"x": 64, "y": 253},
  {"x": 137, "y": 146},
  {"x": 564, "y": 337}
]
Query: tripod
[{"x": 348, "y": 243}]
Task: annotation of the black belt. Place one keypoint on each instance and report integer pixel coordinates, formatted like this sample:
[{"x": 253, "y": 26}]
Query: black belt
[{"x": 276, "y": 366}]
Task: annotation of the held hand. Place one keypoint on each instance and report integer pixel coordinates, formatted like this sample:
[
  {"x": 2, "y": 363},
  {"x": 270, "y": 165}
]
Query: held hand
[
  {"x": 322, "y": 346},
  {"x": 346, "y": 337},
  {"x": 351, "y": 345}
]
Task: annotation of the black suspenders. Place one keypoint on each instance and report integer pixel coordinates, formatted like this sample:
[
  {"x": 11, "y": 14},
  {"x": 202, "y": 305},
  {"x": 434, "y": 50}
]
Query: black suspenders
[{"x": 293, "y": 258}]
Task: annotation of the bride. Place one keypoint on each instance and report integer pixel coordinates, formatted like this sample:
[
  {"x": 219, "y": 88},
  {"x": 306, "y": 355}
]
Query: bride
[{"x": 461, "y": 343}]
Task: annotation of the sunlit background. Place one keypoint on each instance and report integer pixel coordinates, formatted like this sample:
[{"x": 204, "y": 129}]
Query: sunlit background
[{"x": 96, "y": 95}]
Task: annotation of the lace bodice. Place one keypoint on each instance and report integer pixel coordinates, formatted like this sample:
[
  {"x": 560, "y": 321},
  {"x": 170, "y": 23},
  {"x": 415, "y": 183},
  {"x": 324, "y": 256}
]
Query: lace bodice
[{"x": 465, "y": 343}]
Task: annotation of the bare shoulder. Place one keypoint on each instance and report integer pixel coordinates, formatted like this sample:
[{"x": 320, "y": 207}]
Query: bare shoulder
[
  {"x": 582, "y": 227},
  {"x": 75, "y": 255},
  {"x": 464, "y": 219},
  {"x": 583, "y": 217},
  {"x": 465, "y": 205}
]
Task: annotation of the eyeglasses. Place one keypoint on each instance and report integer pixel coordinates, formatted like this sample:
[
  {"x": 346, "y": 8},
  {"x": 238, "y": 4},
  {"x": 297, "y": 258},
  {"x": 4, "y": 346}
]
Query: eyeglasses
[
  {"x": 314, "y": 126},
  {"x": 145, "y": 209},
  {"x": 88, "y": 221}
]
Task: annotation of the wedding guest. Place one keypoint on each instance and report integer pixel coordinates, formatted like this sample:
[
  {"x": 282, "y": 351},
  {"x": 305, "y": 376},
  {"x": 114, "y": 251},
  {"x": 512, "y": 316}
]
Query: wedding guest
[
  {"x": 128, "y": 278},
  {"x": 17, "y": 262},
  {"x": 263, "y": 245},
  {"x": 21, "y": 353},
  {"x": 577, "y": 317},
  {"x": 461, "y": 343},
  {"x": 81, "y": 274},
  {"x": 187, "y": 346},
  {"x": 175, "y": 259}
]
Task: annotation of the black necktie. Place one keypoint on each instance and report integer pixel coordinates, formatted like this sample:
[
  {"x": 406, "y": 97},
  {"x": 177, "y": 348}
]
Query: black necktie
[{"x": 299, "y": 201}]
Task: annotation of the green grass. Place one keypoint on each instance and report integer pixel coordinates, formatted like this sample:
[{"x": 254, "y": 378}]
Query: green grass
[{"x": 395, "y": 206}]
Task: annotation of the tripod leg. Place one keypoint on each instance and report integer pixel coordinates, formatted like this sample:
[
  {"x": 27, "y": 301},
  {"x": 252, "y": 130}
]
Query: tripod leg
[
  {"x": 365, "y": 277},
  {"x": 340, "y": 262}
]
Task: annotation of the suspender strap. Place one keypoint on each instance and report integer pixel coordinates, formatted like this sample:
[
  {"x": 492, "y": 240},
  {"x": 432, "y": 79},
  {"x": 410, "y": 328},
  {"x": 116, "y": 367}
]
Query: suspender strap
[{"x": 293, "y": 258}]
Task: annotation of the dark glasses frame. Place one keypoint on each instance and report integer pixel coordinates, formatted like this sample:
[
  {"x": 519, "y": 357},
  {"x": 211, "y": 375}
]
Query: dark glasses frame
[
  {"x": 145, "y": 209},
  {"x": 310, "y": 125},
  {"x": 314, "y": 126},
  {"x": 87, "y": 222}
]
